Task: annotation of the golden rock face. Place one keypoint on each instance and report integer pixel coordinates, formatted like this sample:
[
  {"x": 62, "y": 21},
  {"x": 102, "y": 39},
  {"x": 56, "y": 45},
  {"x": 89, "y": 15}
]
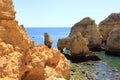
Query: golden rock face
[
  {"x": 7, "y": 10},
  {"x": 20, "y": 59}
]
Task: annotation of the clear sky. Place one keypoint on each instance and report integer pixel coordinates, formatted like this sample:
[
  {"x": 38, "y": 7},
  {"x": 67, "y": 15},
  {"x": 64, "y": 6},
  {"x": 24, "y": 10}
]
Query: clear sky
[{"x": 62, "y": 13}]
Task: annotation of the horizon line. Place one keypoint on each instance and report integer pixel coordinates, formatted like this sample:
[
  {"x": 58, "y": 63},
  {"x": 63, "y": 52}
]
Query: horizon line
[{"x": 46, "y": 26}]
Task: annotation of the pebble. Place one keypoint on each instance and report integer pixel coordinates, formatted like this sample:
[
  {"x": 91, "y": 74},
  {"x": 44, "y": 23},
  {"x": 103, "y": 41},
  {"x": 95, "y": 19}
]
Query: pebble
[
  {"x": 107, "y": 79},
  {"x": 97, "y": 73},
  {"x": 89, "y": 76},
  {"x": 114, "y": 70}
]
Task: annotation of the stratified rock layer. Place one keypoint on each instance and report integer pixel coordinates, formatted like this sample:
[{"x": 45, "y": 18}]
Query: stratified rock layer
[
  {"x": 89, "y": 31},
  {"x": 107, "y": 25},
  {"x": 20, "y": 59}
]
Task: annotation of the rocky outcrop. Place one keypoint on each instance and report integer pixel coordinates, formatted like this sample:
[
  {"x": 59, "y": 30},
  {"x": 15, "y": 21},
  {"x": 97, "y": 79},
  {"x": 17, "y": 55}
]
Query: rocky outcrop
[
  {"x": 107, "y": 25},
  {"x": 109, "y": 28},
  {"x": 12, "y": 33},
  {"x": 48, "y": 61},
  {"x": 20, "y": 59},
  {"x": 88, "y": 28},
  {"x": 113, "y": 41},
  {"x": 76, "y": 44},
  {"x": 77, "y": 48},
  {"x": 6, "y": 10},
  {"x": 47, "y": 40},
  {"x": 10, "y": 60}
]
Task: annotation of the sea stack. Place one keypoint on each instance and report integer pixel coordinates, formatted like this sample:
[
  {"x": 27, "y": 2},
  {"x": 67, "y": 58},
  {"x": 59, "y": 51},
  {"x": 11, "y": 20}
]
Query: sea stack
[
  {"x": 89, "y": 30},
  {"x": 47, "y": 40},
  {"x": 20, "y": 59}
]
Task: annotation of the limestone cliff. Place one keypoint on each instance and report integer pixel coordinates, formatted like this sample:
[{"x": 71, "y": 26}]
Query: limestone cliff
[
  {"x": 107, "y": 25},
  {"x": 20, "y": 59},
  {"x": 88, "y": 28}
]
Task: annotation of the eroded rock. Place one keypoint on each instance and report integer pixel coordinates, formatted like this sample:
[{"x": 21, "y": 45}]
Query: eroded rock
[
  {"x": 47, "y": 40},
  {"x": 7, "y": 10},
  {"x": 113, "y": 41},
  {"x": 76, "y": 44},
  {"x": 19, "y": 58},
  {"x": 107, "y": 25},
  {"x": 77, "y": 48},
  {"x": 88, "y": 28}
]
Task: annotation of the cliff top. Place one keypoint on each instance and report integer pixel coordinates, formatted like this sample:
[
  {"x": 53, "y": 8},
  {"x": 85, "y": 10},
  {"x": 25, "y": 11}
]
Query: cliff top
[
  {"x": 114, "y": 17},
  {"x": 85, "y": 21}
]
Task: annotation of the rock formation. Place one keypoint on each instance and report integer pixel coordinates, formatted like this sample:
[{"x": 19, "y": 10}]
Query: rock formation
[
  {"x": 49, "y": 62},
  {"x": 119, "y": 76},
  {"x": 47, "y": 40},
  {"x": 89, "y": 31},
  {"x": 107, "y": 25},
  {"x": 109, "y": 28},
  {"x": 6, "y": 10},
  {"x": 20, "y": 59},
  {"x": 76, "y": 44},
  {"x": 78, "y": 47},
  {"x": 113, "y": 41}
]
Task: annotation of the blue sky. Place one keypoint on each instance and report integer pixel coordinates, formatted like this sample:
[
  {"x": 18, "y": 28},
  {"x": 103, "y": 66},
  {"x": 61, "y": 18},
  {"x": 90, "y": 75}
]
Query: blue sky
[{"x": 62, "y": 13}]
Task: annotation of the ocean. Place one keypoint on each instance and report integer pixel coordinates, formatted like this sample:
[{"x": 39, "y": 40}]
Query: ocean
[
  {"x": 37, "y": 34},
  {"x": 108, "y": 63}
]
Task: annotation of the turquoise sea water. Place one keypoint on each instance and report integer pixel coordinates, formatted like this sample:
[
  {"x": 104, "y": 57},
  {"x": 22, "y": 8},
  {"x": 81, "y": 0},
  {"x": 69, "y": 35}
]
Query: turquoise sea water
[{"x": 108, "y": 63}]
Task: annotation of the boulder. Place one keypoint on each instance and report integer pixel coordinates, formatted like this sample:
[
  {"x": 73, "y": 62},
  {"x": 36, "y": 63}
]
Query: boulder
[
  {"x": 20, "y": 59},
  {"x": 47, "y": 40},
  {"x": 108, "y": 24},
  {"x": 89, "y": 30},
  {"x": 113, "y": 40}
]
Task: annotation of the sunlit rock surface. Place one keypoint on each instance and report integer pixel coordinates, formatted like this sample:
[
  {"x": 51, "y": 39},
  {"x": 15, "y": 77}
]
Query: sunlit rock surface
[{"x": 20, "y": 59}]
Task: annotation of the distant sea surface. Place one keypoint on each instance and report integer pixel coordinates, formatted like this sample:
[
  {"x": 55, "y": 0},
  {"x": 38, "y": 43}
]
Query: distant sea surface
[{"x": 37, "y": 34}]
